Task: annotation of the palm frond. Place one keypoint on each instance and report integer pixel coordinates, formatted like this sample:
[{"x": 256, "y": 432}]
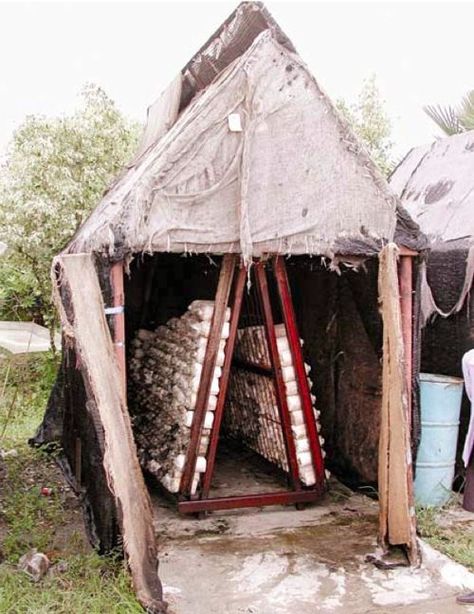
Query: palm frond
[
  {"x": 466, "y": 111},
  {"x": 445, "y": 118}
]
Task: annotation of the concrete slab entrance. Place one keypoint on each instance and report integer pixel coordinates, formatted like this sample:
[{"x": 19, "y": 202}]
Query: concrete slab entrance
[{"x": 279, "y": 560}]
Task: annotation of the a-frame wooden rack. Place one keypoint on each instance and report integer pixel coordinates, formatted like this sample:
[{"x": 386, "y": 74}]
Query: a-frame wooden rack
[{"x": 230, "y": 293}]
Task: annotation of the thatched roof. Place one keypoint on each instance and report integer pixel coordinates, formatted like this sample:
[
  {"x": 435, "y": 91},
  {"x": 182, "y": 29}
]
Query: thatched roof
[
  {"x": 436, "y": 185},
  {"x": 244, "y": 152}
]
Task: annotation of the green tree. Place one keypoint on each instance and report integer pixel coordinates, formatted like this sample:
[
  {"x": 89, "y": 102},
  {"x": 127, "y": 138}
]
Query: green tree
[
  {"x": 453, "y": 120},
  {"x": 371, "y": 123},
  {"x": 55, "y": 172}
]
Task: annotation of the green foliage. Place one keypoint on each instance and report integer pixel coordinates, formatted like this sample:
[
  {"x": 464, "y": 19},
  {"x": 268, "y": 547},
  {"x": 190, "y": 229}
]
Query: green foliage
[
  {"x": 454, "y": 120},
  {"x": 55, "y": 173},
  {"x": 371, "y": 124},
  {"x": 25, "y": 385},
  {"x": 445, "y": 118}
]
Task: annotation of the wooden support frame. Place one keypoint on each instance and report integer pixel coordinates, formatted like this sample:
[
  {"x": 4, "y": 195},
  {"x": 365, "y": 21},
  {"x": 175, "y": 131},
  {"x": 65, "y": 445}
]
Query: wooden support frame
[
  {"x": 289, "y": 319},
  {"x": 262, "y": 288},
  {"x": 231, "y": 287},
  {"x": 406, "y": 291},
  {"x": 218, "y": 318},
  {"x": 219, "y": 412},
  {"x": 251, "y": 500}
]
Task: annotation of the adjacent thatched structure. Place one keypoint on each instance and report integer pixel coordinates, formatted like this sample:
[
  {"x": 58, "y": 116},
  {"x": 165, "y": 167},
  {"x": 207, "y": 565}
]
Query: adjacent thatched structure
[
  {"x": 243, "y": 153},
  {"x": 436, "y": 185}
]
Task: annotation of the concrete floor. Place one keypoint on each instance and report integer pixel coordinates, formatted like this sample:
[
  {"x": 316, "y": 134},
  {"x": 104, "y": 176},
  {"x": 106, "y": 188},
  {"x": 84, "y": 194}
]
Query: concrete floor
[{"x": 279, "y": 560}]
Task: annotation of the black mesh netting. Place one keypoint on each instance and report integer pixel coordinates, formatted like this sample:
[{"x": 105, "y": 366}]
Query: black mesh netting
[{"x": 445, "y": 340}]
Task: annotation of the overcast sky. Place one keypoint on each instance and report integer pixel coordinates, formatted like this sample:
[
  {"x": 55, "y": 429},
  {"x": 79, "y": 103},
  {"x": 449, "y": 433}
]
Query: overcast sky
[{"x": 420, "y": 52}]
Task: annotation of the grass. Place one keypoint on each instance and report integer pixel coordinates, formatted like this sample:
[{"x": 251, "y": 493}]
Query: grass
[
  {"x": 79, "y": 580},
  {"x": 454, "y": 540},
  {"x": 86, "y": 583}
]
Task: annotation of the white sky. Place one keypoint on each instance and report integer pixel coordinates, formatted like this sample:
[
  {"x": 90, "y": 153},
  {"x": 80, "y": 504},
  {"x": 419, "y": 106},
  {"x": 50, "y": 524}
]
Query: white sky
[{"x": 421, "y": 53}]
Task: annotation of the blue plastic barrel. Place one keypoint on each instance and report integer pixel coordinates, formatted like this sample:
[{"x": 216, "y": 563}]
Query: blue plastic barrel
[{"x": 440, "y": 401}]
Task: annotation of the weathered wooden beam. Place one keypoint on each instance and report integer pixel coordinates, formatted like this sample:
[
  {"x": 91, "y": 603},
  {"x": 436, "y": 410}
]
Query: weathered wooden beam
[
  {"x": 397, "y": 513},
  {"x": 118, "y": 314},
  {"x": 83, "y": 319},
  {"x": 405, "y": 281}
]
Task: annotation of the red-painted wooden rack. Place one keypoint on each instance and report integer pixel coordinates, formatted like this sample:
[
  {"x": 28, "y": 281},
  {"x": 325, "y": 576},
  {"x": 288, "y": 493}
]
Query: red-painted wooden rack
[{"x": 230, "y": 292}]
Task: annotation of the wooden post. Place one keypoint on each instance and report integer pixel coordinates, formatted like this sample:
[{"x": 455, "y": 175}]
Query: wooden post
[
  {"x": 291, "y": 328},
  {"x": 118, "y": 313},
  {"x": 397, "y": 512},
  {"x": 280, "y": 388},
  {"x": 229, "y": 263},
  {"x": 224, "y": 381},
  {"x": 405, "y": 282},
  {"x": 93, "y": 343}
]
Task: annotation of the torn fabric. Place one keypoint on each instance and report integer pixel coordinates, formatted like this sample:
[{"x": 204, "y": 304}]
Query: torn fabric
[{"x": 286, "y": 183}]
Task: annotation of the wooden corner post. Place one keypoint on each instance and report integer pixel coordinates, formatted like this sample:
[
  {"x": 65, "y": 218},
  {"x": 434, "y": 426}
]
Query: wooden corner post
[
  {"x": 396, "y": 503},
  {"x": 118, "y": 312},
  {"x": 405, "y": 284}
]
